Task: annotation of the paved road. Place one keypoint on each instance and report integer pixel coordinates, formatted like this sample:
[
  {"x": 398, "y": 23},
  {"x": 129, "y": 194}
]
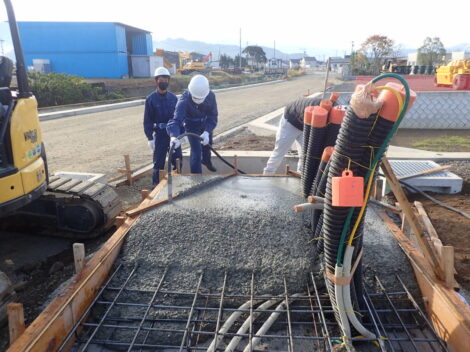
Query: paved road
[{"x": 96, "y": 142}]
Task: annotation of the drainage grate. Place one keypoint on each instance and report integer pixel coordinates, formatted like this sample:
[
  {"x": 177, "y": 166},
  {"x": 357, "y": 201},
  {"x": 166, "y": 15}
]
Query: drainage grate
[
  {"x": 439, "y": 182},
  {"x": 127, "y": 319}
]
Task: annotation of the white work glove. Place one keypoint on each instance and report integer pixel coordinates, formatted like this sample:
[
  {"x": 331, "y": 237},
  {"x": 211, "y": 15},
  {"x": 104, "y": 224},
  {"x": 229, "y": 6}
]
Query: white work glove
[
  {"x": 175, "y": 143},
  {"x": 152, "y": 144},
  {"x": 205, "y": 138}
]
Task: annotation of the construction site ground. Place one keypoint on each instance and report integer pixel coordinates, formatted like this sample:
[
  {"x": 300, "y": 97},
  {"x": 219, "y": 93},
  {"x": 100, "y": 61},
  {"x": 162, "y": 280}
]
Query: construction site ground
[{"x": 96, "y": 143}]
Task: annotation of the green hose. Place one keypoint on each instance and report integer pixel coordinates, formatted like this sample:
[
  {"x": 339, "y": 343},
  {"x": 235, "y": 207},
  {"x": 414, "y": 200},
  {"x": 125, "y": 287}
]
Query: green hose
[{"x": 378, "y": 156}]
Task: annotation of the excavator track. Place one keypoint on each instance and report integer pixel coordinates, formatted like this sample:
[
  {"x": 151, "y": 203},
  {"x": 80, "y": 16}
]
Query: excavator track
[{"x": 69, "y": 208}]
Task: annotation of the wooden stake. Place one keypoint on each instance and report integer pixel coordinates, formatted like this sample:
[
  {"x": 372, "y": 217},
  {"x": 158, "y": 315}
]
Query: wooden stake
[
  {"x": 119, "y": 220},
  {"x": 448, "y": 265},
  {"x": 410, "y": 217},
  {"x": 178, "y": 165},
  {"x": 144, "y": 193},
  {"x": 235, "y": 164},
  {"x": 79, "y": 256},
  {"x": 127, "y": 162},
  {"x": 161, "y": 175},
  {"x": 287, "y": 169},
  {"x": 15, "y": 320}
]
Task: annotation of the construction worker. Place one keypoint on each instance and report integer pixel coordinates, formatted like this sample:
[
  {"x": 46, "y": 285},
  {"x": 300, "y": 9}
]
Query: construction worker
[
  {"x": 159, "y": 109},
  {"x": 196, "y": 112},
  {"x": 290, "y": 130}
]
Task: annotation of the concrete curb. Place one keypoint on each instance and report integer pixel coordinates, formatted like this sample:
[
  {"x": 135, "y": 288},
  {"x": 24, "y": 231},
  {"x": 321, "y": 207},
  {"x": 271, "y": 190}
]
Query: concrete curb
[{"x": 100, "y": 108}]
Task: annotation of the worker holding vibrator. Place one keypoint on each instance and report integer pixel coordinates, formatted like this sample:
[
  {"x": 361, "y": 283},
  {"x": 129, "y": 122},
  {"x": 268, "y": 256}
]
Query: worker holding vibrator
[{"x": 196, "y": 112}]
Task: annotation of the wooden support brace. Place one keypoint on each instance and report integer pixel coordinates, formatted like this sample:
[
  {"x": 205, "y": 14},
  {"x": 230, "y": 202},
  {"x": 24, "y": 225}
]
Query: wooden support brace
[
  {"x": 78, "y": 256},
  {"x": 15, "y": 320},
  {"x": 287, "y": 169},
  {"x": 411, "y": 218},
  {"x": 139, "y": 210}
]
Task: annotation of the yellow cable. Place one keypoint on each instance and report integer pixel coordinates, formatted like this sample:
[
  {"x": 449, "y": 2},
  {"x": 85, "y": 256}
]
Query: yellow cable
[
  {"x": 369, "y": 183},
  {"x": 397, "y": 94}
]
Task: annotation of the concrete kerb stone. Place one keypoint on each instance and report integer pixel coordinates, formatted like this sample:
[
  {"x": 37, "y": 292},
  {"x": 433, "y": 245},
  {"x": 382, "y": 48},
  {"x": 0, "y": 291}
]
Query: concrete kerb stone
[{"x": 127, "y": 104}]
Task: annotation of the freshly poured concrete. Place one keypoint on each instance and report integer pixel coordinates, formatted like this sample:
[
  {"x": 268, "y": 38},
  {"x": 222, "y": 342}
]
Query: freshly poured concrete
[{"x": 238, "y": 225}]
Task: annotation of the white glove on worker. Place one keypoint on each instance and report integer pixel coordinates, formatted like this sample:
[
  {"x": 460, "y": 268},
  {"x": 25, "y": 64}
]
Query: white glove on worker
[
  {"x": 175, "y": 142},
  {"x": 205, "y": 138},
  {"x": 152, "y": 144}
]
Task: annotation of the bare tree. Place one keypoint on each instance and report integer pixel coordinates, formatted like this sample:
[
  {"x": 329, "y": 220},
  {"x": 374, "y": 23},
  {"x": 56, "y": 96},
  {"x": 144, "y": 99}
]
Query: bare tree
[{"x": 376, "y": 48}]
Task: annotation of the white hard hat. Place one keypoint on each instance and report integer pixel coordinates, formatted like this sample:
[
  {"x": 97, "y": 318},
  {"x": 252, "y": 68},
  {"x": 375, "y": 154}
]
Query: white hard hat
[
  {"x": 199, "y": 87},
  {"x": 161, "y": 71}
]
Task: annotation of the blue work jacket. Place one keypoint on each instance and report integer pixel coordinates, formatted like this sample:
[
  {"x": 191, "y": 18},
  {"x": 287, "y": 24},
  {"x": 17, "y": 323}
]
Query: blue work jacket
[
  {"x": 159, "y": 109},
  {"x": 191, "y": 117}
]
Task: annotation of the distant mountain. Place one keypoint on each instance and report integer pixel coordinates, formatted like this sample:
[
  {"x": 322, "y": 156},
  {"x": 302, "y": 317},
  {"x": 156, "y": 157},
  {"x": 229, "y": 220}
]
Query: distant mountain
[
  {"x": 459, "y": 47},
  {"x": 181, "y": 44}
]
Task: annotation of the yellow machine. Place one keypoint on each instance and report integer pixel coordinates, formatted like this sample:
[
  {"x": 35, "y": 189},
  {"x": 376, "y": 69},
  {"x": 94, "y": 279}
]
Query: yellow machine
[
  {"x": 455, "y": 74},
  {"x": 395, "y": 66},
  {"x": 188, "y": 65},
  {"x": 66, "y": 207}
]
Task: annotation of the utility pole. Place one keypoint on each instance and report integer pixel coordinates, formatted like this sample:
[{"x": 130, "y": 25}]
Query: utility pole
[
  {"x": 275, "y": 53},
  {"x": 352, "y": 47},
  {"x": 1, "y": 45},
  {"x": 240, "y": 56}
]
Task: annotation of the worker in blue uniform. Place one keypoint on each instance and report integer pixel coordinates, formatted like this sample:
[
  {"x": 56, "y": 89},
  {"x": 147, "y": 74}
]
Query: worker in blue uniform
[
  {"x": 159, "y": 109},
  {"x": 196, "y": 112}
]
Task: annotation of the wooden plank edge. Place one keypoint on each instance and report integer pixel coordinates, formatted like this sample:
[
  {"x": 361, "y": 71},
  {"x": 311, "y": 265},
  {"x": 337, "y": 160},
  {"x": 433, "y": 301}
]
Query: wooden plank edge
[
  {"x": 449, "y": 314},
  {"x": 50, "y": 328}
]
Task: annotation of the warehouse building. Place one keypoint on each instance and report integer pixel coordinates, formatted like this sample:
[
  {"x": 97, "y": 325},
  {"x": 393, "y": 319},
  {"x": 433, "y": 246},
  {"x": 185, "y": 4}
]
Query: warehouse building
[{"x": 88, "y": 49}]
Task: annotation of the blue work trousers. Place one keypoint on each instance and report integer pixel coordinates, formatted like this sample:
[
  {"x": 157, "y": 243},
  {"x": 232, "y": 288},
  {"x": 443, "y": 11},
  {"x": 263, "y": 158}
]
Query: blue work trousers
[
  {"x": 199, "y": 153},
  {"x": 162, "y": 146}
]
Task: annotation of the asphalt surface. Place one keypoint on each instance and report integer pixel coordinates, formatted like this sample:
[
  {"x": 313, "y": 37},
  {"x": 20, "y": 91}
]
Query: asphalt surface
[{"x": 96, "y": 142}]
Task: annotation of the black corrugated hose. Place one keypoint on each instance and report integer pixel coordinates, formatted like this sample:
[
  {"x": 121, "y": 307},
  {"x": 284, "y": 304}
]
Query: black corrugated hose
[
  {"x": 316, "y": 144},
  {"x": 349, "y": 153}
]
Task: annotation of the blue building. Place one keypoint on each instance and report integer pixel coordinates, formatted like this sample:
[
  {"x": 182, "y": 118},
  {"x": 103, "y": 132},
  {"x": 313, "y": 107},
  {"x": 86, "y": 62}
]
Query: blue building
[{"x": 86, "y": 49}]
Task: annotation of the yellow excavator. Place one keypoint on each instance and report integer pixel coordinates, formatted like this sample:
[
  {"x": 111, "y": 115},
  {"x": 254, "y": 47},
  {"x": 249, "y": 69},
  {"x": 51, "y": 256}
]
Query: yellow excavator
[
  {"x": 30, "y": 200},
  {"x": 455, "y": 74},
  {"x": 188, "y": 65},
  {"x": 62, "y": 206}
]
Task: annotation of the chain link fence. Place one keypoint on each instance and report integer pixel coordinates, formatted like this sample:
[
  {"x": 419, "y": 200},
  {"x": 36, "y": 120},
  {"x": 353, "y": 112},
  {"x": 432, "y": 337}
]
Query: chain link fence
[{"x": 434, "y": 110}]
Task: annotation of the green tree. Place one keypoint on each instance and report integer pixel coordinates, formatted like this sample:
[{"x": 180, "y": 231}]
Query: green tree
[
  {"x": 376, "y": 48},
  {"x": 256, "y": 53},
  {"x": 432, "y": 52},
  {"x": 359, "y": 64},
  {"x": 237, "y": 61},
  {"x": 225, "y": 61}
]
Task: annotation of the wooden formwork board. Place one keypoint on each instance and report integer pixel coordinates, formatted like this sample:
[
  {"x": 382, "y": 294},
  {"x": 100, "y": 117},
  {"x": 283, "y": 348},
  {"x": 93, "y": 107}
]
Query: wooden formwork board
[{"x": 449, "y": 314}]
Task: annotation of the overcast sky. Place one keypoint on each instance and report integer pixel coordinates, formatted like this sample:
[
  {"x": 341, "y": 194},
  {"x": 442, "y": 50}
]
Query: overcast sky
[{"x": 294, "y": 25}]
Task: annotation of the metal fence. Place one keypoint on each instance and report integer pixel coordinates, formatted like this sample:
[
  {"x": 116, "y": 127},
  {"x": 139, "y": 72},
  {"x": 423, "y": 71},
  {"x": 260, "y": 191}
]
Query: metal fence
[{"x": 435, "y": 110}]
